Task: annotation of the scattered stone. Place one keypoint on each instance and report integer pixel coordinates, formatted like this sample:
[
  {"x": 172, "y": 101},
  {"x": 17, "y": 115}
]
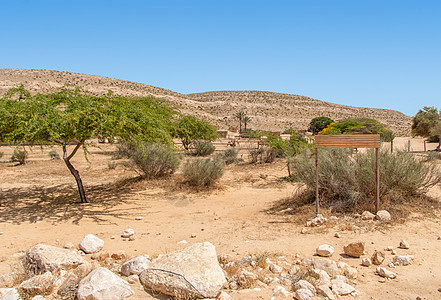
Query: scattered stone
[
  {"x": 378, "y": 257},
  {"x": 103, "y": 284},
  {"x": 193, "y": 272},
  {"x": 393, "y": 252},
  {"x": 391, "y": 265},
  {"x": 133, "y": 279},
  {"x": 351, "y": 273},
  {"x": 303, "y": 284},
  {"x": 329, "y": 266},
  {"x": 192, "y": 235},
  {"x": 383, "y": 216},
  {"x": 404, "y": 245},
  {"x": 183, "y": 242},
  {"x": 293, "y": 270},
  {"x": 324, "y": 250},
  {"x": 367, "y": 215},
  {"x": 382, "y": 280},
  {"x": 69, "y": 286},
  {"x": 366, "y": 262},
  {"x": 341, "y": 288},
  {"x": 119, "y": 255},
  {"x": 132, "y": 238},
  {"x": 44, "y": 258},
  {"x": 91, "y": 244},
  {"x": 316, "y": 221},
  {"x": 10, "y": 294},
  {"x": 304, "y": 230},
  {"x": 40, "y": 284},
  {"x": 223, "y": 296},
  {"x": 128, "y": 233},
  {"x": 401, "y": 260},
  {"x": 354, "y": 249},
  {"x": 337, "y": 235},
  {"x": 112, "y": 237},
  {"x": 7, "y": 280},
  {"x": 281, "y": 291},
  {"x": 439, "y": 238},
  {"x": 325, "y": 291},
  {"x": 339, "y": 278},
  {"x": 389, "y": 248},
  {"x": 69, "y": 246},
  {"x": 100, "y": 256},
  {"x": 383, "y": 272},
  {"x": 275, "y": 269},
  {"x": 320, "y": 277},
  {"x": 139, "y": 218},
  {"x": 135, "y": 266},
  {"x": 304, "y": 294}
]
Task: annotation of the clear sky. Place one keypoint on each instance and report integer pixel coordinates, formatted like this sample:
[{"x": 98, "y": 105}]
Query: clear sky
[{"x": 383, "y": 54}]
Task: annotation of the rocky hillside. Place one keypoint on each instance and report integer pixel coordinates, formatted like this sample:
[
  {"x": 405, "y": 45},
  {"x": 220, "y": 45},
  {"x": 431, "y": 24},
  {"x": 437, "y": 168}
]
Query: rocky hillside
[{"x": 270, "y": 111}]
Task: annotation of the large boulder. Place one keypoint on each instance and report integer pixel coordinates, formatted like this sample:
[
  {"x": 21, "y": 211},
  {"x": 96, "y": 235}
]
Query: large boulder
[
  {"x": 9, "y": 294},
  {"x": 42, "y": 258},
  {"x": 91, "y": 244},
  {"x": 135, "y": 266},
  {"x": 354, "y": 249},
  {"x": 103, "y": 284},
  {"x": 327, "y": 265},
  {"x": 191, "y": 272}
]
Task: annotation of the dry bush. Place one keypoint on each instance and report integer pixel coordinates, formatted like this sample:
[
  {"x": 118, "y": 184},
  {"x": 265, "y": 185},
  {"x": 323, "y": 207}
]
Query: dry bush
[
  {"x": 229, "y": 156},
  {"x": 347, "y": 180},
  {"x": 203, "y": 148},
  {"x": 19, "y": 156},
  {"x": 203, "y": 172}
]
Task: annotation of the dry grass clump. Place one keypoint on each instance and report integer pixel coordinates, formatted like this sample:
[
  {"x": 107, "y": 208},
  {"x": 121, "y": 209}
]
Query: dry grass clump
[
  {"x": 347, "y": 179},
  {"x": 203, "y": 172}
]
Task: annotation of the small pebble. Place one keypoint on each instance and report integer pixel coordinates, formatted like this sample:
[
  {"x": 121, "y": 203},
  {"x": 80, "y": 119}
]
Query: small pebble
[
  {"x": 304, "y": 230},
  {"x": 337, "y": 235},
  {"x": 1, "y": 233},
  {"x": 132, "y": 238},
  {"x": 390, "y": 248},
  {"x": 139, "y": 218},
  {"x": 112, "y": 237},
  {"x": 193, "y": 235},
  {"x": 393, "y": 252}
]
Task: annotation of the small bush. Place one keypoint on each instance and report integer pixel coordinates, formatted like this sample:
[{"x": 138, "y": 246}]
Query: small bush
[
  {"x": 229, "y": 156},
  {"x": 203, "y": 148},
  {"x": 203, "y": 172},
  {"x": 432, "y": 156},
  {"x": 19, "y": 156},
  {"x": 153, "y": 160},
  {"x": 111, "y": 165},
  {"x": 346, "y": 180},
  {"x": 262, "y": 155},
  {"x": 53, "y": 154}
]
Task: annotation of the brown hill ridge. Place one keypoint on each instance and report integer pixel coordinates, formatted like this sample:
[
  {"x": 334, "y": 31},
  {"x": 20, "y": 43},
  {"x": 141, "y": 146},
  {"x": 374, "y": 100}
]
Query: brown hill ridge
[{"x": 268, "y": 111}]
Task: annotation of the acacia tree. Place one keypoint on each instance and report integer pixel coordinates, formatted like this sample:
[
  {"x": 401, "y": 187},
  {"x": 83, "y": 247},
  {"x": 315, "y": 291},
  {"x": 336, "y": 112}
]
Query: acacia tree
[
  {"x": 72, "y": 117},
  {"x": 424, "y": 122},
  {"x": 189, "y": 129},
  {"x": 318, "y": 124}
]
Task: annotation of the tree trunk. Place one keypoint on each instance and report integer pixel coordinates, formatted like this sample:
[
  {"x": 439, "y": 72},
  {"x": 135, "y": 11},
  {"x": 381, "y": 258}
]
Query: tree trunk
[{"x": 75, "y": 172}]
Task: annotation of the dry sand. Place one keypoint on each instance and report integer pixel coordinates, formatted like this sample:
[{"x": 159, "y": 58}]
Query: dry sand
[{"x": 39, "y": 204}]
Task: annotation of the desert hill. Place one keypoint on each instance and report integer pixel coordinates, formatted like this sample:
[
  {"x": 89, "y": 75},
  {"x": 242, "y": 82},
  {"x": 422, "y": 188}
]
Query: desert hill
[{"x": 269, "y": 111}]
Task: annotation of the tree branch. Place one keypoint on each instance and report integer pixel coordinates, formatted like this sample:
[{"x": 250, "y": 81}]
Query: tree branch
[{"x": 75, "y": 150}]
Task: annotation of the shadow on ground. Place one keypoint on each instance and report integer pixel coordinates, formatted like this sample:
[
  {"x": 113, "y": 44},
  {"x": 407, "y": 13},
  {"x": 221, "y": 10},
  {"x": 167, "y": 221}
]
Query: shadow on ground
[{"x": 62, "y": 203}]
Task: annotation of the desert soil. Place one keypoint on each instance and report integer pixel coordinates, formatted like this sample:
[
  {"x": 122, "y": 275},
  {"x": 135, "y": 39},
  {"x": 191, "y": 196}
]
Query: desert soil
[{"x": 39, "y": 204}]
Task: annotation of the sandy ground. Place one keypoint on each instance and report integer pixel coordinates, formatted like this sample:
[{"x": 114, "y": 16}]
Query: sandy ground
[{"x": 39, "y": 204}]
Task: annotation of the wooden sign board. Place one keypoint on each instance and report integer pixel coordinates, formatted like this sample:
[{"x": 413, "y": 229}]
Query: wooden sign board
[{"x": 348, "y": 141}]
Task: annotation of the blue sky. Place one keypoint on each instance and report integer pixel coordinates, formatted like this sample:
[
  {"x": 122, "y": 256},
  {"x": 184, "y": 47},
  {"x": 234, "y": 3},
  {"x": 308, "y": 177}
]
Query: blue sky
[{"x": 383, "y": 54}]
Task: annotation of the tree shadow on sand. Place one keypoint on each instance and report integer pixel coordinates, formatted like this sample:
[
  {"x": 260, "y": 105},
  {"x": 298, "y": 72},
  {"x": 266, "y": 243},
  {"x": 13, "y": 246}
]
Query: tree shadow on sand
[{"x": 62, "y": 203}]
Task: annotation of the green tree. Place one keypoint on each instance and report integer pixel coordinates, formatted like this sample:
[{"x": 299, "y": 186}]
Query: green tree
[
  {"x": 360, "y": 126},
  {"x": 240, "y": 115},
  {"x": 318, "y": 124},
  {"x": 189, "y": 129},
  {"x": 424, "y": 122},
  {"x": 72, "y": 117},
  {"x": 436, "y": 132},
  {"x": 246, "y": 120}
]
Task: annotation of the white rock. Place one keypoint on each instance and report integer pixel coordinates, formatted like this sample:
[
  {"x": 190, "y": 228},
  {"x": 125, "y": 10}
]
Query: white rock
[
  {"x": 128, "y": 233},
  {"x": 401, "y": 260},
  {"x": 38, "y": 297},
  {"x": 383, "y": 272},
  {"x": 7, "y": 280},
  {"x": 383, "y": 216},
  {"x": 327, "y": 265},
  {"x": 354, "y": 249},
  {"x": 404, "y": 245},
  {"x": 275, "y": 269},
  {"x": 317, "y": 221},
  {"x": 91, "y": 244},
  {"x": 337, "y": 235},
  {"x": 341, "y": 288},
  {"x": 304, "y": 294},
  {"x": 367, "y": 215},
  {"x": 138, "y": 218},
  {"x": 281, "y": 291},
  {"x": 9, "y": 294},
  {"x": 103, "y": 284},
  {"x": 320, "y": 276},
  {"x": 223, "y": 296},
  {"x": 135, "y": 266},
  {"x": 193, "y": 272},
  {"x": 351, "y": 273},
  {"x": 69, "y": 245},
  {"x": 324, "y": 250},
  {"x": 183, "y": 242},
  {"x": 48, "y": 258},
  {"x": 339, "y": 278},
  {"x": 133, "y": 279},
  {"x": 303, "y": 284},
  {"x": 40, "y": 284},
  {"x": 325, "y": 291},
  {"x": 366, "y": 262}
]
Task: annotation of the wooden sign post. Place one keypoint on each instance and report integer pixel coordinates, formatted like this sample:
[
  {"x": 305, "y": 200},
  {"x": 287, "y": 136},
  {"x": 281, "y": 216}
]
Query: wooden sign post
[{"x": 348, "y": 141}]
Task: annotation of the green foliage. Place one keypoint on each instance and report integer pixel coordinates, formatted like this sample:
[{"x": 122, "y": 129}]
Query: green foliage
[
  {"x": 263, "y": 155},
  {"x": 189, "y": 129},
  {"x": 360, "y": 126},
  {"x": 346, "y": 180},
  {"x": 203, "y": 172},
  {"x": 203, "y": 148},
  {"x": 229, "y": 156},
  {"x": 318, "y": 124},
  {"x": 424, "y": 121},
  {"x": 1, "y": 154},
  {"x": 153, "y": 160},
  {"x": 240, "y": 116},
  {"x": 18, "y": 93},
  {"x": 53, "y": 154},
  {"x": 19, "y": 156},
  {"x": 435, "y": 132},
  {"x": 111, "y": 165}
]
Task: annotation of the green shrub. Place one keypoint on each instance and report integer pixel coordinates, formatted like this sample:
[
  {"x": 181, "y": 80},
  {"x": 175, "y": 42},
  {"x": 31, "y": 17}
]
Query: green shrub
[
  {"x": 229, "y": 156},
  {"x": 111, "y": 165},
  {"x": 1, "y": 154},
  {"x": 347, "y": 180},
  {"x": 203, "y": 172},
  {"x": 153, "y": 160},
  {"x": 262, "y": 155},
  {"x": 53, "y": 154},
  {"x": 19, "y": 156},
  {"x": 203, "y": 148},
  {"x": 432, "y": 156}
]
